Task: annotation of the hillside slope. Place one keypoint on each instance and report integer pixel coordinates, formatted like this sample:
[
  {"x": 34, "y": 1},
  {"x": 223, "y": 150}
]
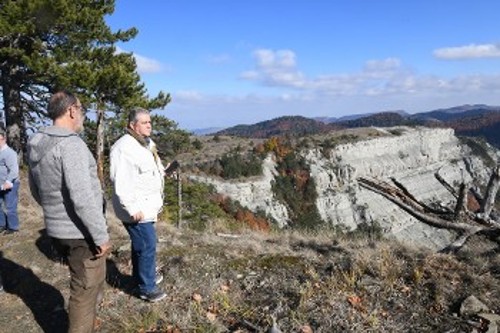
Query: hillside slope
[
  {"x": 288, "y": 125},
  {"x": 304, "y": 185},
  {"x": 319, "y": 282},
  {"x": 468, "y": 120}
]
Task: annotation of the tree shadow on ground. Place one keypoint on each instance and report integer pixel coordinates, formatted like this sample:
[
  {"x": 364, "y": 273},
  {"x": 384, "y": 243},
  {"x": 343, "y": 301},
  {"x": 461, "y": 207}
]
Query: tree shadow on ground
[{"x": 45, "y": 302}]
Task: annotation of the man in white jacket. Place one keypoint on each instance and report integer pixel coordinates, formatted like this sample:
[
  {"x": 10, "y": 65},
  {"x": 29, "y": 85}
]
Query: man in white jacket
[{"x": 137, "y": 175}]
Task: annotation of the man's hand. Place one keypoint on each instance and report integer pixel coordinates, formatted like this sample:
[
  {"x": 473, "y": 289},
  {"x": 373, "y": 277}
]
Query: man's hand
[
  {"x": 103, "y": 249},
  {"x": 7, "y": 186},
  {"x": 171, "y": 168},
  {"x": 139, "y": 216}
]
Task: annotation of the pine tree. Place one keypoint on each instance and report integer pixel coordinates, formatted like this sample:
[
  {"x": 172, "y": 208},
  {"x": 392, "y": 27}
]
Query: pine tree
[{"x": 47, "y": 45}]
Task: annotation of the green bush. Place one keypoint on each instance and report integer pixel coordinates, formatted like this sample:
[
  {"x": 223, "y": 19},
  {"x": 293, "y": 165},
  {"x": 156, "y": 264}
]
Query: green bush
[
  {"x": 296, "y": 189},
  {"x": 234, "y": 164},
  {"x": 370, "y": 230},
  {"x": 198, "y": 204}
]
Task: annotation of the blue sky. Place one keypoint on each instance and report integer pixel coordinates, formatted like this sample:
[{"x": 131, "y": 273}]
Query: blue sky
[{"x": 229, "y": 62}]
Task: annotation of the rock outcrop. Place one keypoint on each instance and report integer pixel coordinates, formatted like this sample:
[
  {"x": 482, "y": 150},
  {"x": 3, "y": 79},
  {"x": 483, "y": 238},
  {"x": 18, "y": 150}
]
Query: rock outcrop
[
  {"x": 255, "y": 194},
  {"x": 412, "y": 156}
]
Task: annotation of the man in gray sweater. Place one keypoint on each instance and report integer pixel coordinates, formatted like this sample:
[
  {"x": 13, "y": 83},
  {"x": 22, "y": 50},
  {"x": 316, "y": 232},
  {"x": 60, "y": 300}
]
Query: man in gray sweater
[{"x": 63, "y": 180}]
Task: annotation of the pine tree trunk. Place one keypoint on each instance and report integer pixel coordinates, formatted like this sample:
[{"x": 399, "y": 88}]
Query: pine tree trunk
[
  {"x": 100, "y": 145},
  {"x": 491, "y": 192},
  {"x": 179, "y": 198},
  {"x": 14, "y": 117}
]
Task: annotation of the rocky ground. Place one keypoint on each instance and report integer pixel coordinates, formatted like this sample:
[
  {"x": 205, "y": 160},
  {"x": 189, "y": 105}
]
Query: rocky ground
[{"x": 219, "y": 281}]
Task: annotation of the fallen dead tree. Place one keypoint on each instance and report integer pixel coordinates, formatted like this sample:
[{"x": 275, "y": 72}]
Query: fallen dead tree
[{"x": 458, "y": 218}]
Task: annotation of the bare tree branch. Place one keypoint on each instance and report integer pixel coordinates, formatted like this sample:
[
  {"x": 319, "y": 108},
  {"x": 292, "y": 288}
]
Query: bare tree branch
[
  {"x": 414, "y": 208},
  {"x": 385, "y": 190},
  {"x": 427, "y": 208},
  {"x": 445, "y": 184},
  {"x": 491, "y": 192},
  {"x": 460, "y": 205}
]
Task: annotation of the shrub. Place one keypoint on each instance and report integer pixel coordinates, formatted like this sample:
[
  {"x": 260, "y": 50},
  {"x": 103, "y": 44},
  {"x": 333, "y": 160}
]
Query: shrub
[
  {"x": 197, "y": 144},
  {"x": 294, "y": 187},
  {"x": 198, "y": 204},
  {"x": 234, "y": 164}
]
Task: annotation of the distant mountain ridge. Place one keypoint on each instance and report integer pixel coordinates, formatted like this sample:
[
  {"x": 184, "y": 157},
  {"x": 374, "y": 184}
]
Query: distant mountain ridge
[
  {"x": 455, "y": 113},
  {"x": 294, "y": 125},
  {"x": 206, "y": 131},
  {"x": 357, "y": 116},
  {"x": 470, "y": 120}
]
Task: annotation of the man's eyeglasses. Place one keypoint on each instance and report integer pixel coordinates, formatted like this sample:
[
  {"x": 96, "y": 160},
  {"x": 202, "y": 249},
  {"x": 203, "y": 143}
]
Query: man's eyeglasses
[{"x": 80, "y": 107}]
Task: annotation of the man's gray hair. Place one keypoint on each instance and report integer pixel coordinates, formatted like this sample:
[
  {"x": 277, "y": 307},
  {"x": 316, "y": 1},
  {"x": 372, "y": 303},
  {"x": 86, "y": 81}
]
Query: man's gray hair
[{"x": 132, "y": 116}]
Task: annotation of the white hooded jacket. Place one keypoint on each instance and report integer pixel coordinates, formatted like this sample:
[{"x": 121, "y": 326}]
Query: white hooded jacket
[{"x": 137, "y": 180}]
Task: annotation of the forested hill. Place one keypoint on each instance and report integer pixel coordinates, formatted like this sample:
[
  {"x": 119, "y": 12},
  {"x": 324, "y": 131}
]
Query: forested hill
[
  {"x": 288, "y": 125},
  {"x": 383, "y": 119},
  {"x": 470, "y": 120},
  {"x": 486, "y": 125}
]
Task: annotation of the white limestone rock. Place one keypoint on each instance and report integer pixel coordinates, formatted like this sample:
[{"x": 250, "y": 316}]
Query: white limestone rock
[
  {"x": 255, "y": 194},
  {"x": 412, "y": 158}
]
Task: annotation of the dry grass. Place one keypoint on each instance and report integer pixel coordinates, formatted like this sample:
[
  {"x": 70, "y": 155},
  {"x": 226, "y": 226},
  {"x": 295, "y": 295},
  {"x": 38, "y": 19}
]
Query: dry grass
[
  {"x": 215, "y": 148},
  {"x": 220, "y": 284}
]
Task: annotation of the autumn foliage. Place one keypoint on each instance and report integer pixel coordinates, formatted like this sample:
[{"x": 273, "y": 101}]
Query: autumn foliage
[{"x": 243, "y": 215}]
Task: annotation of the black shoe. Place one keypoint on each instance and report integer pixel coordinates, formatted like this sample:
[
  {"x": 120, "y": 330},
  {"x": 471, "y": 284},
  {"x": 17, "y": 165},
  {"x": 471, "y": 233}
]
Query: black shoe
[
  {"x": 153, "y": 296},
  {"x": 10, "y": 231},
  {"x": 2, "y": 229}
]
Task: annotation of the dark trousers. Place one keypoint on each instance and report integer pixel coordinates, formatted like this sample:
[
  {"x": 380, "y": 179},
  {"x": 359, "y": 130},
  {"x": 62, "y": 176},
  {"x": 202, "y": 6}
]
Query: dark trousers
[
  {"x": 8, "y": 215},
  {"x": 143, "y": 237},
  {"x": 87, "y": 281}
]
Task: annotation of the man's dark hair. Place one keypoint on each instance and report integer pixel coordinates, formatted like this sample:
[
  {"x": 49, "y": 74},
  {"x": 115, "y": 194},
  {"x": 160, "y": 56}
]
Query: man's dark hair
[
  {"x": 132, "y": 116},
  {"x": 59, "y": 103}
]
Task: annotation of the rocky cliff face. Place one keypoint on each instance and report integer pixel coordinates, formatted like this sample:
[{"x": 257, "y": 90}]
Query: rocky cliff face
[
  {"x": 255, "y": 194},
  {"x": 412, "y": 157}
]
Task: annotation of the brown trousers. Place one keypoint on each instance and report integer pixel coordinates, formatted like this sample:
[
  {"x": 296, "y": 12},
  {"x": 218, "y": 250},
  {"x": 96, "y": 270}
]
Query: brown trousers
[{"x": 87, "y": 281}]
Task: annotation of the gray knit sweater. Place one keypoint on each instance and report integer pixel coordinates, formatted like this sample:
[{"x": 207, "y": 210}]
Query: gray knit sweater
[
  {"x": 63, "y": 180},
  {"x": 9, "y": 167}
]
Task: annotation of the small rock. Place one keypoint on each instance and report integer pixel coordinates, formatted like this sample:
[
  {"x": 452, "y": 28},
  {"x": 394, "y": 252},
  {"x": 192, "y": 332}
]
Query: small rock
[
  {"x": 274, "y": 328},
  {"x": 491, "y": 317},
  {"x": 471, "y": 306},
  {"x": 492, "y": 328},
  {"x": 306, "y": 329},
  {"x": 493, "y": 321}
]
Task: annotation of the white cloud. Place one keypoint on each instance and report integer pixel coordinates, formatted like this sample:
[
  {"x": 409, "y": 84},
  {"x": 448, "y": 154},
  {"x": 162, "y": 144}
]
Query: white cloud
[
  {"x": 275, "y": 68},
  {"x": 188, "y": 95},
  {"x": 469, "y": 52},
  {"x": 275, "y": 59},
  {"x": 389, "y": 64},
  {"x": 147, "y": 65},
  {"x": 413, "y": 93},
  {"x": 249, "y": 75},
  {"x": 379, "y": 84},
  {"x": 144, "y": 64},
  {"x": 377, "y": 77},
  {"x": 218, "y": 59}
]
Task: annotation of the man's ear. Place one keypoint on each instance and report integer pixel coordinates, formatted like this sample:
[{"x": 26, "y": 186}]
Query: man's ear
[{"x": 71, "y": 112}]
